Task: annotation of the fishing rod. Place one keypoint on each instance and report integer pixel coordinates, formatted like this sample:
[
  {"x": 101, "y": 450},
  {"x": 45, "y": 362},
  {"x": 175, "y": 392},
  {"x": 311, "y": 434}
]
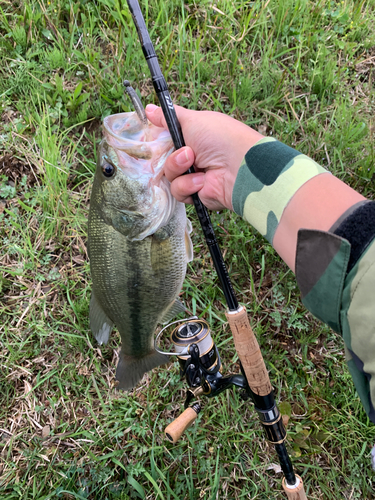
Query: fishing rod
[{"x": 257, "y": 384}]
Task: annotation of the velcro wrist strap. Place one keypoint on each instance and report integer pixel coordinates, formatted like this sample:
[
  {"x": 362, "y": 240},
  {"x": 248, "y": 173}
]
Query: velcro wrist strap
[{"x": 358, "y": 227}]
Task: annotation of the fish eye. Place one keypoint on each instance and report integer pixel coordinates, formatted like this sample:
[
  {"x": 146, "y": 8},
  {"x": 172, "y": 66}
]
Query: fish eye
[{"x": 108, "y": 169}]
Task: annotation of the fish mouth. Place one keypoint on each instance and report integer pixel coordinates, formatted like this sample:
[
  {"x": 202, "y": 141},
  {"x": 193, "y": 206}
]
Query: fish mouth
[
  {"x": 139, "y": 150},
  {"x": 126, "y": 132}
]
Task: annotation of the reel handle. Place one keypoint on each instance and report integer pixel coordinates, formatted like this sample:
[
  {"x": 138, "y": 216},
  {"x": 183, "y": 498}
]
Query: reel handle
[{"x": 175, "y": 429}]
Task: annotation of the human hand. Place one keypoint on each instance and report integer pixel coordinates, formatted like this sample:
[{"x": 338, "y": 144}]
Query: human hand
[{"x": 217, "y": 145}]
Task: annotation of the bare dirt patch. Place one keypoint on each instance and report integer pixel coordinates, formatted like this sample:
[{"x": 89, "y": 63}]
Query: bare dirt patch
[{"x": 14, "y": 169}]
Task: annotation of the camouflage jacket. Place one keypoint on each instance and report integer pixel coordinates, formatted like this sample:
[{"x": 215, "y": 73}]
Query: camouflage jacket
[{"x": 335, "y": 270}]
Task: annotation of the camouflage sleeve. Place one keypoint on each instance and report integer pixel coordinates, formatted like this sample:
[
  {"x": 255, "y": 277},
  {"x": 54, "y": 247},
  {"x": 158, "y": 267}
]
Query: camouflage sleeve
[{"x": 269, "y": 176}]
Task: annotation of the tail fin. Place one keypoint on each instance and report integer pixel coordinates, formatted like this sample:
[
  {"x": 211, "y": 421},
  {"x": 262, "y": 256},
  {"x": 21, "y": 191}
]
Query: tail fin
[{"x": 130, "y": 370}]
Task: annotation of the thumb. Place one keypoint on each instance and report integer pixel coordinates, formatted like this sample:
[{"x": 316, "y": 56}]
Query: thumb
[{"x": 156, "y": 117}]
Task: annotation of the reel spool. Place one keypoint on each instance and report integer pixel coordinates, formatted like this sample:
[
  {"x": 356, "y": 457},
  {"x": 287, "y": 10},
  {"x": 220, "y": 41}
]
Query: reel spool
[
  {"x": 196, "y": 332},
  {"x": 196, "y": 351},
  {"x": 181, "y": 352}
]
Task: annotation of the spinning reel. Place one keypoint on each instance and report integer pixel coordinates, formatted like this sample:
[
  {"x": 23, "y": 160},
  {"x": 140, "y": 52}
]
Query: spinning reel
[{"x": 201, "y": 366}]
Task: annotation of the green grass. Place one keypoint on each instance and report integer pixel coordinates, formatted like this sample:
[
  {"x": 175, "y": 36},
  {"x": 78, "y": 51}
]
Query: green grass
[{"x": 301, "y": 71}]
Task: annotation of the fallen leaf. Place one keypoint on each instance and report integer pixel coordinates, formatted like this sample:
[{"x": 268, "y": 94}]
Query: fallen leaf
[
  {"x": 275, "y": 467},
  {"x": 285, "y": 408},
  {"x": 45, "y": 431},
  {"x": 285, "y": 419}
]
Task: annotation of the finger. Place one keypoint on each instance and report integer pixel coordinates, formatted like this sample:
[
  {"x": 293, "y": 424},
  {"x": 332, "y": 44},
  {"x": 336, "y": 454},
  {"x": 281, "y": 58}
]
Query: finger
[
  {"x": 184, "y": 186},
  {"x": 187, "y": 201},
  {"x": 178, "y": 163},
  {"x": 156, "y": 117}
]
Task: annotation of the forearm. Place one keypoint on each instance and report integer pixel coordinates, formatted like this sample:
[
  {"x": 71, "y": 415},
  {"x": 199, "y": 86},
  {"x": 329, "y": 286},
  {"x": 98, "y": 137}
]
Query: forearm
[
  {"x": 279, "y": 191},
  {"x": 318, "y": 204}
]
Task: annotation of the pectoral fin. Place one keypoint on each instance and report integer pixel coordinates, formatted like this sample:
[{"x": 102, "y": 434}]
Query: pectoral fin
[{"x": 101, "y": 326}]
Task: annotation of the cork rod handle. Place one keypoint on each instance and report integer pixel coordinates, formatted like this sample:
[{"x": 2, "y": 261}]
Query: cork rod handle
[
  {"x": 249, "y": 353},
  {"x": 297, "y": 492}
]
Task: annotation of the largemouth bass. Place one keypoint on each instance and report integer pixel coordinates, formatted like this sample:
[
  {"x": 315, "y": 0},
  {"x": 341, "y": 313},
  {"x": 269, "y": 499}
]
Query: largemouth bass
[{"x": 138, "y": 243}]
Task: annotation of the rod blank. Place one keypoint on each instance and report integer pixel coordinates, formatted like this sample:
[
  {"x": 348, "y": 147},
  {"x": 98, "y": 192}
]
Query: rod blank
[{"x": 166, "y": 103}]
